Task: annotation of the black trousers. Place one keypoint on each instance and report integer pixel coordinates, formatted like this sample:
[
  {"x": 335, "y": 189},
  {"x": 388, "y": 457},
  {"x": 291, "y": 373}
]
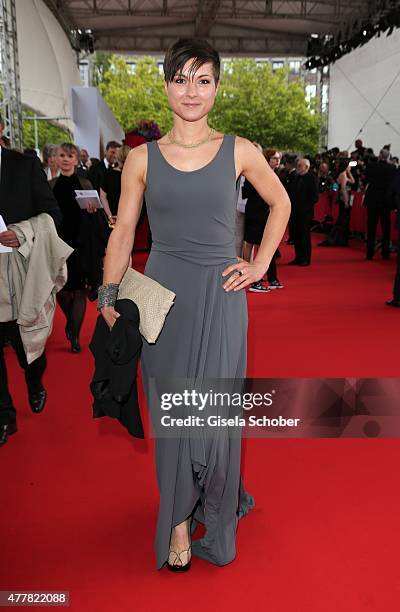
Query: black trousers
[
  {"x": 374, "y": 215},
  {"x": 302, "y": 238},
  {"x": 33, "y": 371},
  {"x": 291, "y": 228},
  {"x": 396, "y": 286}
]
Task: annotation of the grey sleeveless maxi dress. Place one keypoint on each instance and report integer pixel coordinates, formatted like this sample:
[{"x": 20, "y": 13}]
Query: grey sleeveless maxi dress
[{"x": 192, "y": 218}]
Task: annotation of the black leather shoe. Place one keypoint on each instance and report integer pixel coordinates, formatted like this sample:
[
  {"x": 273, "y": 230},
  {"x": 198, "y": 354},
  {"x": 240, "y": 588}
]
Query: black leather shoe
[
  {"x": 294, "y": 262},
  {"x": 37, "y": 401},
  {"x": 75, "y": 346},
  {"x": 5, "y": 431},
  {"x": 393, "y": 303},
  {"x": 303, "y": 263}
]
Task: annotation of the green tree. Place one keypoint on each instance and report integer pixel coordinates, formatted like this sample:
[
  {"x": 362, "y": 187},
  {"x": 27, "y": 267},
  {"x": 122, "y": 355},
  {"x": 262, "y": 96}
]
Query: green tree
[
  {"x": 100, "y": 66},
  {"x": 137, "y": 94},
  {"x": 259, "y": 104},
  {"x": 48, "y": 133},
  {"x": 253, "y": 101}
]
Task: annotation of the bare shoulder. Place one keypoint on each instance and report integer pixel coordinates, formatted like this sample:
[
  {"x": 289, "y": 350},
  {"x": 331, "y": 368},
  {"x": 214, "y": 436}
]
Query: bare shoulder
[
  {"x": 245, "y": 153},
  {"x": 136, "y": 162},
  {"x": 138, "y": 154},
  {"x": 242, "y": 144}
]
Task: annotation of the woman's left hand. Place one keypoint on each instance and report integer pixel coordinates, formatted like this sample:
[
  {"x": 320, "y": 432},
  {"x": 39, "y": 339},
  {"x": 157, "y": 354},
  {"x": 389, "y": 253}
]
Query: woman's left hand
[{"x": 243, "y": 274}]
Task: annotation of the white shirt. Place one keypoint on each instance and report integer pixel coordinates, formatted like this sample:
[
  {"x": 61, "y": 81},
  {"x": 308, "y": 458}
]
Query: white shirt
[{"x": 49, "y": 175}]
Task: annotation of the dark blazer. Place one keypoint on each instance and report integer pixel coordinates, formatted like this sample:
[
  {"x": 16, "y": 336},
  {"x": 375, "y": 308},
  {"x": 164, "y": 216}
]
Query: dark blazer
[
  {"x": 82, "y": 170},
  {"x": 116, "y": 355},
  {"x": 394, "y": 195},
  {"x": 288, "y": 181},
  {"x": 379, "y": 176},
  {"x": 96, "y": 175},
  {"x": 304, "y": 192},
  {"x": 24, "y": 190}
]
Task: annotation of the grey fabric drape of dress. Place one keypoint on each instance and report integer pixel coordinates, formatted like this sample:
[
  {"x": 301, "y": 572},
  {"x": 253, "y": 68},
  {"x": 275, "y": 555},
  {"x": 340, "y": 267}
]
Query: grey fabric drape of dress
[{"x": 192, "y": 218}]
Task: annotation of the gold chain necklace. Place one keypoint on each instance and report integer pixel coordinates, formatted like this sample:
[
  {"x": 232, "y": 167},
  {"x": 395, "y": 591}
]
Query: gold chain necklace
[{"x": 192, "y": 145}]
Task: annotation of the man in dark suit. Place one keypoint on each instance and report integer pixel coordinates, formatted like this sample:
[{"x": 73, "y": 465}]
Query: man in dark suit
[
  {"x": 359, "y": 151},
  {"x": 394, "y": 195},
  {"x": 101, "y": 230},
  {"x": 24, "y": 193},
  {"x": 84, "y": 165},
  {"x": 304, "y": 194},
  {"x": 97, "y": 172},
  {"x": 379, "y": 177},
  {"x": 288, "y": 180}
]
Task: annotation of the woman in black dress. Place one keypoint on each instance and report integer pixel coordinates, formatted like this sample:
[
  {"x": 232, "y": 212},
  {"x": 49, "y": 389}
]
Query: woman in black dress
[
  {"x": 256, "y": 215},
  {"x": 339, "y": 234},
  {"x": 72, "y": 298},
  {"x": 110, "y": 189}
]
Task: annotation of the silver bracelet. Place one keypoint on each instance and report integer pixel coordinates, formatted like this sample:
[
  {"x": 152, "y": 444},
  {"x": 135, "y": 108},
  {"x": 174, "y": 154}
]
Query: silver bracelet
[{"x": 107, "y": 295}]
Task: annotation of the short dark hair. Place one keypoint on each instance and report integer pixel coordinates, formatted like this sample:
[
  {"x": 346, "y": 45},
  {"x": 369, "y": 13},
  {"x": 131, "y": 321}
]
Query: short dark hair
[
  {"x": 112, "y": 144},
  {"x": 290, "y": 158},
  {"x": 185, "y": 49}
]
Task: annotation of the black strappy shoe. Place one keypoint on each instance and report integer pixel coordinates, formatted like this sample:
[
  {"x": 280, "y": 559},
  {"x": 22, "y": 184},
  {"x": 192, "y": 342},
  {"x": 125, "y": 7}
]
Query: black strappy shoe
[{"x": 174, "y": 567}]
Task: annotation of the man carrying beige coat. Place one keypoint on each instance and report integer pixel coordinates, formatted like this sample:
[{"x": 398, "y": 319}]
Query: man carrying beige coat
[{"x": 24, "y": 195}]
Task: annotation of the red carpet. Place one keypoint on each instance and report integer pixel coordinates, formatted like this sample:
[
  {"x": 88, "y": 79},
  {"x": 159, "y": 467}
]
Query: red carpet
[{"x": 79, "y": 497}]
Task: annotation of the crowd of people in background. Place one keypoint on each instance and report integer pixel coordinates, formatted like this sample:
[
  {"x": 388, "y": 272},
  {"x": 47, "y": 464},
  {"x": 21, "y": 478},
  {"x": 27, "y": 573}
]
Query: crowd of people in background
[{"x": 340, "y": 174}]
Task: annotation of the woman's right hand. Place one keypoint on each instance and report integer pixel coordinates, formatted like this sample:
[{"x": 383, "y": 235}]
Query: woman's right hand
[{"x": 110, "y": 315}]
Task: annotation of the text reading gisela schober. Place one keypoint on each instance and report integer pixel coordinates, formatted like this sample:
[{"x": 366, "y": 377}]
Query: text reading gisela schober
[{"x": 218, "y": 421}]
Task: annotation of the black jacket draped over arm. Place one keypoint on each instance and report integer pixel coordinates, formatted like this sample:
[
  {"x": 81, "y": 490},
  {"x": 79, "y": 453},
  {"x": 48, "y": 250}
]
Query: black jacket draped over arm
[{"x": 116, "y": 355}]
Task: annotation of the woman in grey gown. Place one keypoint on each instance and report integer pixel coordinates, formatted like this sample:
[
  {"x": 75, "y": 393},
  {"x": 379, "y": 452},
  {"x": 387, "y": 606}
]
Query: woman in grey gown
[{"x": 189, "y": 178}]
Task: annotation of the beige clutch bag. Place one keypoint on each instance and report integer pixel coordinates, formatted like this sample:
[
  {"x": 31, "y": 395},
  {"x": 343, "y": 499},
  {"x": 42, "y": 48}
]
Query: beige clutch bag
[{"x": 152, "y": 299}]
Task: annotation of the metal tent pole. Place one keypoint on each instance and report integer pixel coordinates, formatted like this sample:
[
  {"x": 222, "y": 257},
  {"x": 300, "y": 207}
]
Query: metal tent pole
[{"x": 10, "y": 92}]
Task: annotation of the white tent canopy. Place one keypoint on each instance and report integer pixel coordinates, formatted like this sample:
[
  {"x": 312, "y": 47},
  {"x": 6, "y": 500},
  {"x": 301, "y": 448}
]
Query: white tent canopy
[
  {"x": 48, "y": 65},
  {"x": 49, "y": 74},
  {"x": 364, "y": 94}
]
